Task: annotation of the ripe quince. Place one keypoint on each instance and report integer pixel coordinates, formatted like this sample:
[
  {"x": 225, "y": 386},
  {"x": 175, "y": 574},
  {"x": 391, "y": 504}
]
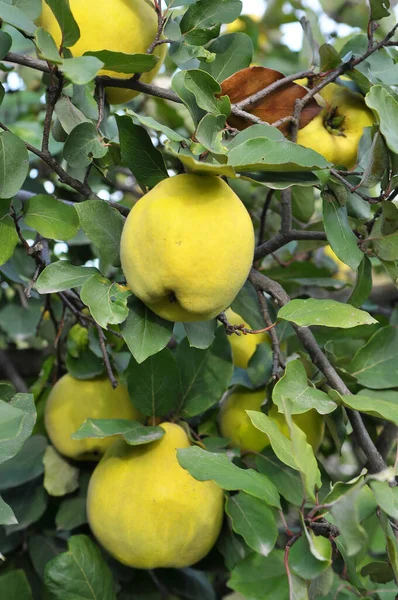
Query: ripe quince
[
  {"x": 335, "y": 132},
  {"x": 147, "y": 511},
  {"x": 187, "y": 247},
  {"x": 243, "y": 346},
  {"x": 72, "y": 401},
  {"x": 116, "y": 25},
  {"x": 236, "y": 425}
]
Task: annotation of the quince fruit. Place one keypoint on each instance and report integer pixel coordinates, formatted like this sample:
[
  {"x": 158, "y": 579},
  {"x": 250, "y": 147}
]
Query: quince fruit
[
  {"x": 243, "y": 346},
  {"x": 187, "y": 247},
  {"x": 344, "y": 272},
  {"x": 147, "y": 511},
  {"x": 335, "y": 132},
  {"x": 117, "y": 25},
  {"x": 236, "y": 425},
  {"x": 72, "y": 401}
]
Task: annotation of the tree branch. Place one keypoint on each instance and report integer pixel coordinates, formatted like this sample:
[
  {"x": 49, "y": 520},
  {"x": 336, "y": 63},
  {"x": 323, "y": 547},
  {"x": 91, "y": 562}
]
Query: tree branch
[{"x": 276, "y": 291}]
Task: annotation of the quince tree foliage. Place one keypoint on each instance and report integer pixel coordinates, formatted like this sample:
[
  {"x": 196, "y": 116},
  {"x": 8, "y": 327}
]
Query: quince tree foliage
[{"x": 281, "y": 382}]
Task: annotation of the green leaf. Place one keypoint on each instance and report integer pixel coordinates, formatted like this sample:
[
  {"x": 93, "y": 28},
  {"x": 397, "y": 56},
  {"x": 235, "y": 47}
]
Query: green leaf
[
  {"x": 103, "y": 225},
  {"x": 205, "y": 466},
  {"x": 26, "y": 465},
  {"x": 382, "y": 404},
  {"x": 17, "y": 419},
  {"x": 328, "y": 313},
  {"x": 375, "y": 365},
  {"x": 260, "y": 131},
  {"x": 391, "y": 543},
  {"x": 363, "y": 284},
  {"x": 210, "y": 132},
  {"x": 7, "y": 516},
  {"x": 201, "y": 334},
  {"x": 263, "y": 154},
  {"x": 286, "y": 480},
  {"x": 81, "y": 70},
  {"x": 68, "y": 114},
  {"x": 259, "y": 578},
  {"x": 281, "y": 445},
  {"x": 339, "y": 233},
  {"x": 233, "y": 52},
  {"x": 8, "y": 238},
  {"x": 83, "y": 145},
  {"x": 254, "y": 521},
  {"x": 144, "y": 332},
  {"x": 52, "y": 218},
  {"x": 12, "y": 15},
  {"x": 188, "y": 583},
  {"x": 321, "y": 585},
  {"x": 47, "y": 48},
  {"x": 5, "y": 43},
  {"x": 15, "y": 585},
  {"x": 71, "y": 514},
  {"x": 139, "y": 154},
  {"x": 346, "y": 517},
  {"x": 86, "y": 366},
  {"x": 379, "y": 9},
  {"x": 120, "y": 62},
  {"x": 385, "y": 245},
  {"x": 197, "y": 166},
  {"x": 384, "y": 104},
  {"x": 28, "y": 502},
  {"x": 61, "y": 275},
  {"x": 31, "y": 8},
  {"x": 303, "y": 455},
  {"x": 69, "y": 27},
  {"x": 60, "y": 477},
  {"x": 152, "y": 124},
  {"x": 204, "y": 374},
  {"x": 208, "y": 13},
  {"x": 88, "y": 575},
  {"x": 107, "y": 301},
  {"x": 386, "y": 497},
  {"x": 154, "y": 384},
  {"x": 205, "y": 88},
  {"x": 295, "y": 386},
  {"x": 132, "y": 432},
  {"x": 303, "y": 563},
  {"x": 14, "y": 163}
]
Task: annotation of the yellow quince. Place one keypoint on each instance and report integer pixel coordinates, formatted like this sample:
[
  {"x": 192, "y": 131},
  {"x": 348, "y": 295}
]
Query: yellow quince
[
  {"x": 243, "y": 346},
  {"x": 120, "y": 26},
  {"x": 187, "y": 247},
  {"x": 147, "y": 511}
]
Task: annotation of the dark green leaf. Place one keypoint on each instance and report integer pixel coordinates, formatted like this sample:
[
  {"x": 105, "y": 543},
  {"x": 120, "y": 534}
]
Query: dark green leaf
[
  {"x": 205, "y": 466},
  {"x": 7, "y": 516},
  {"x": 24, "y": 466},
  {"x": 384, "y": 104},
  {"x": 103, "y": 225},
  {"x": 28, "y": 502},
  {"x": 201, "y": 334},
  {"x": 153, "y": 384},
  {"x": 375, "y": 365},
  {"x": 132, "y": 432},
  {"x": 15, "y": 585},
  {"x": 346, "y": 517},
  {"x": 385, "y": 245},
  {"x": 43, "y": 548},
  {"x": 152, "y": 124},
  {"x": 60, "y": 477},
  {"x": 86, "y": 366},
  {"x": 88, "y": 575},
  {"x": 328, "y": 313},
  {"x": 71, "y": 514},
  {"x": 14, "y": 163},
  {"x": 254, "y": 521},
  {"x": 210, "y": 132},
  {"x": 69, "y": 116},
  {"x": 204, "y": 374},
  {"x": 12, "y": 15},
  {"x": 139, "y": 154},
  {"x": 69, "y": 27},
  {"x": 379, "y": 9},
  {"x": 107, "y": 301},
  {"x": 5, "y": 43},
  {"x": 61, "y": 275},
  {"x": 207, "y": 13},
  {"x": 144, "y": 332},
  {"x": 205, "y": 89},
  {"x": 119, "y": 62},
  {"x": 363, "y": 284},
  {"x": 295, "y": 386},
  {"x": 386, "y": 497},
  {"x": 190, "y": 584},
  {"x": 286, "y": 480},
  {"x": 83, "y": 145},
  {"x": 81, "y": 70},
  {"x": 383, "y": 404},
  {"x": 340, "y": 236},
  {"x": 52, "y": 218},
  {"x": 233, "y": 52},
  {"x": 258, "y": 577},
  {"x": 303, "y": 563}
]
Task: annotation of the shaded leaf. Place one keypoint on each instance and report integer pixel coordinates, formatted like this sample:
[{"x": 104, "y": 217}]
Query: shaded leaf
[
  {"x": 233, "y": 52},
  {"x": 8, "y": 238},
  {"x": 132, "y": 432},
  {"x": 375, "y": 365},
  {"x": 60, "y": 477},
  {"x": 339, "y": 233},
  {"x": 120, "y": 62},
  {"x": 52, "y": 218},
  {"x": 12, "y": 15},
  {"x": 7, "y": 517},
  {"x": 17, "y": 419},
  {"x": 83, "y": 145},
  {"x": 257, "y": 577},
  {"x": 15, "y": 585},
  {"x": 26, "y": 465},
  {"x": 384, "y": 104},
  {"x": 201, "y": 334},
  {"x": 383, "y": 405},
  {"x": 14, "y": 162},
  {"x": 103, "y": 225}
]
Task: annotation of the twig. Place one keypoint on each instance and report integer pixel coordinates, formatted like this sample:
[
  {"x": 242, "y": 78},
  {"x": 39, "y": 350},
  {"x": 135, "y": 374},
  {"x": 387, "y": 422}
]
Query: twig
[
  {"x": 263, "y": 283},
  {"x": 102, "y": 342},
  {"x": 53, "y": 93},
  {"x": 286, "y": 211},
  {"x": 261, "y": 229},
  {"x": 353, "y": 189},
  {"x": 277, "y": 359},
  {"x": 10, "y": 372},
  {"x": 281, "y": 239}
]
